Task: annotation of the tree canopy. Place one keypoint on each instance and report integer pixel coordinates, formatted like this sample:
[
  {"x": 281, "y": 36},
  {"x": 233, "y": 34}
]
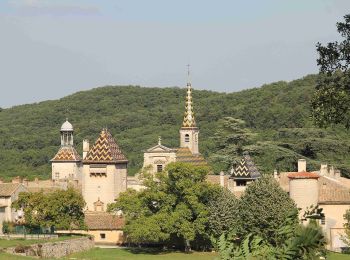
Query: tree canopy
[
  {"x": 263, "y": 208},
  {"x": 330, "y": 103},
  {"x": 62, "y": 209},
  {"x": 171, "y": 210}
]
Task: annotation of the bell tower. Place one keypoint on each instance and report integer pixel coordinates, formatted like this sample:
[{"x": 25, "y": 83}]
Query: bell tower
[{"x": 189, "y": 131}]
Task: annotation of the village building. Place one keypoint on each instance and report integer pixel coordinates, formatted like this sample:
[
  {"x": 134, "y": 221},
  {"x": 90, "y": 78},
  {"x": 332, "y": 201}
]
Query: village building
[
  {"x": 8, "y": 194},
  {"x": 325, "y": 188},
  {"x": 104, "y": 173},
  {"x": 157, "y": 157},
  {"x": 67, "y": 163}
]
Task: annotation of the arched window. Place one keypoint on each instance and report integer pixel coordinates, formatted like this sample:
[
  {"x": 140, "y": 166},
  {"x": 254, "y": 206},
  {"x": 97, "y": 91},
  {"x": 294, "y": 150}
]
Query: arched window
[{"x": 187, "y": 138}]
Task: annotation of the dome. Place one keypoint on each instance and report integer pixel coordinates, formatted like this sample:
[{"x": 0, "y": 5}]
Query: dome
[{"x": 66, "y": 127}]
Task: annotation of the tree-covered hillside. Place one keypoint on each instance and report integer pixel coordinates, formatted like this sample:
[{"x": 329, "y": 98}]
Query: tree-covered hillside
[{"x": 278, "y": 114}]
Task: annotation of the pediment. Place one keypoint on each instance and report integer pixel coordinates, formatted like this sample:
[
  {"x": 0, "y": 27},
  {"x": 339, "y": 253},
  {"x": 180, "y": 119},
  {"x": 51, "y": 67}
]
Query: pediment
[{"x": 159, "y": 148}]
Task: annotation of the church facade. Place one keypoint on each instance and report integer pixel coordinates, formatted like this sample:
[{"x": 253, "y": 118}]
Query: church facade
[{"x": 157, "y": 157}]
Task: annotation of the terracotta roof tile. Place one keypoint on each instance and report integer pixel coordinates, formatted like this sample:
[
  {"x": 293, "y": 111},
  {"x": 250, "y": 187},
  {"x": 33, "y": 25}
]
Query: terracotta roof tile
[
  {"x": 103, "y": 221},
  {"x": 67, "y": 153},
  {"x": 303, "y": 175},
  {"x": 105, "y": 150},
  {"x": 7, "y": 189}
]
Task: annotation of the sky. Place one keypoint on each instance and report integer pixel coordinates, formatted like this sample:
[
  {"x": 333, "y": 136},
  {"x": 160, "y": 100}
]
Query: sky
[{"x": 53, "y": 48}]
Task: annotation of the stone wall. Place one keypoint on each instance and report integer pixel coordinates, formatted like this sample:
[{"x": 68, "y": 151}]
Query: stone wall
[{"x": 54, "y": 249}]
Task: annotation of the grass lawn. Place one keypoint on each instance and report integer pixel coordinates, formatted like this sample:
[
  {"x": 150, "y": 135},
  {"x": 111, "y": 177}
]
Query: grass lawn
[
  {"x": 138, "y": 254},
  {"x": 337, "y": 256},
  {"x": 4, "y": 243}
]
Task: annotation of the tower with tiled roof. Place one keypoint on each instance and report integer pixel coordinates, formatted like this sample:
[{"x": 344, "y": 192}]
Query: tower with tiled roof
[
  {"x": 66, "y": 164},
  {"x": 104, "y": 172},
  {"x": 189, "y": 130},
  {"x": 244, "y": 173}
]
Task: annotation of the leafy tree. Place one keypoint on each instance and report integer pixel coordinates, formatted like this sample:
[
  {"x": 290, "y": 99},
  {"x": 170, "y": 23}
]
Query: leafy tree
[
  {"x": 230, "y": 139},
  {"x": 263, "y": 208},
  {"x": 330, "y": 103},
  {"x": 223, "y": 211},
  {"x": 295, "y": 242},
  {"x": 346, "y": 238},
  {"x": 171, "y": 208},
  {"x": 62, "y": 209}
]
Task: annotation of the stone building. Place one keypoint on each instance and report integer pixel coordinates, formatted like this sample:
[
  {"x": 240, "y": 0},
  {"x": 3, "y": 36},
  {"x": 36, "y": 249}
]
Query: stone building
[
  {"x": 157, "y": 157},
  {"x": 8, "y": 194},
  {"x": 324, "y": 188},
  {"x": 66, "y": 164},
  {"x": 104, "y": 173}
]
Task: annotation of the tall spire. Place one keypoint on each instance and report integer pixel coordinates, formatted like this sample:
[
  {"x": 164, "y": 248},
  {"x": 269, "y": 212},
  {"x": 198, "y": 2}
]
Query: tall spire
[{"x": 189, "y": 120}]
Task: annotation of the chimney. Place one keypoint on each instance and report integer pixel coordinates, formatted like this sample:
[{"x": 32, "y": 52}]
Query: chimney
[
  {"x": 301, "y": 165},
  {"x": 324, "y": 170},
  {"x": 331, "y": 171},
  {"x": 222, "y": 179},
  {"x": 16, "y": 179},
  {"x": 1, "y": 180},
  {"x": 337, "y": 174},
  {"x": 275, "y": 174},
  {"x": 86, "y": 147}
]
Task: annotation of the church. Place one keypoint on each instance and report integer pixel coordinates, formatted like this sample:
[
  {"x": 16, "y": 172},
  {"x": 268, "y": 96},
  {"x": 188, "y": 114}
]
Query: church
[{"x": 157, "y": 157}]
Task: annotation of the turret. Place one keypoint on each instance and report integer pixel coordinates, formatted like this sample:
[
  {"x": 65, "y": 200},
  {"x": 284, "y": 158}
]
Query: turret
[{"x": 67, "y": 134}]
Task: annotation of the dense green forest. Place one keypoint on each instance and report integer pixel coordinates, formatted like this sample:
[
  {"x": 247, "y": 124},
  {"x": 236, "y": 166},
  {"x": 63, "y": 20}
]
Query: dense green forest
[{"x": 277, "y": 115}]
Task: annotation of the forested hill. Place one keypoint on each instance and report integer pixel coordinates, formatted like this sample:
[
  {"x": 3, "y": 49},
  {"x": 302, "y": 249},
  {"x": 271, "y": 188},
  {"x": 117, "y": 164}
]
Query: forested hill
[{"x": 136, "y": 116}]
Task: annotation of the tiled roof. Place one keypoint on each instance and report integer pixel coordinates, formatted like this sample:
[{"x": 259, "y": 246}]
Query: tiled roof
[
  {"x": 103, "y": 221},
  {"x": 215, "y": 179},
  {"x": 189, "y": 120},
  {"x": 184, "y": 154},
  {"x": 303, "y": 175},
  {"x": 245, "y": 169},
  {"x": 67, "y": 153},
  {"x": 7, "y": 189},
  {"x": 331, "y": 191},
  {"x": 105, "y": 150}
]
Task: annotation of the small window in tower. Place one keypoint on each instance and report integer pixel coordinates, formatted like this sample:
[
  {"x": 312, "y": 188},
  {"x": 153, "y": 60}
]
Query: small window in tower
[
  {"x": 323, "y": 220},
  {"x": 102, "y": 235},
  {"x": 241, "y": 183},
  {"x": 159, "y": 167},
  {"x": 187, "y": 138}
]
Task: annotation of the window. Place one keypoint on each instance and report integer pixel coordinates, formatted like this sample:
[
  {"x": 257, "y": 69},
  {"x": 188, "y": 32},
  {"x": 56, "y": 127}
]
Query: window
[
  {"x": 241, "y": 183},
  {"x": 102, "y": 235},
  {"x": 323, "y": 220},
  {"x": 159, "y": 167},
  {"x": 187, "y": 138}
]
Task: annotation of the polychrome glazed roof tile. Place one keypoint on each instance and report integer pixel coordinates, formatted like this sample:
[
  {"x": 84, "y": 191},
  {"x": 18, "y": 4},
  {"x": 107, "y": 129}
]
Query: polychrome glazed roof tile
[
  {"x": 67, "y": 153},
  {"x": 245, "y": 169},
  {"x": 105, "y": 150},
  {"x": 184, "y": 155}
]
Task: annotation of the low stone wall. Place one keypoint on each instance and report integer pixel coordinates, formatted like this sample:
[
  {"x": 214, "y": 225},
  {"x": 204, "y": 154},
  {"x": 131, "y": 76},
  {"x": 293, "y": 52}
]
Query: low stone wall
[{"x": 54, "y": 249}]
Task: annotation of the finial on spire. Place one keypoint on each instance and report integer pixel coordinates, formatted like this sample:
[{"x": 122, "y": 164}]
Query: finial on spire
[
  {"x": 188, "y": 75},
  {"x": 159, "y": 140}
]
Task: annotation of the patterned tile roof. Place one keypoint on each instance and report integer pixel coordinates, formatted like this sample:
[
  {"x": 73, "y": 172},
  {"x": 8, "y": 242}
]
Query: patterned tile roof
[
  {"x": 184, "y": 154},
  {"x": 67, "y": 153},
  {"x": 245, "y": 169},
  {"x": 105, "y": 150},
  {"x": 7, "y": 189},
  {"x": 189, "y": 120},
  {"x": 103, "y": 221}
]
